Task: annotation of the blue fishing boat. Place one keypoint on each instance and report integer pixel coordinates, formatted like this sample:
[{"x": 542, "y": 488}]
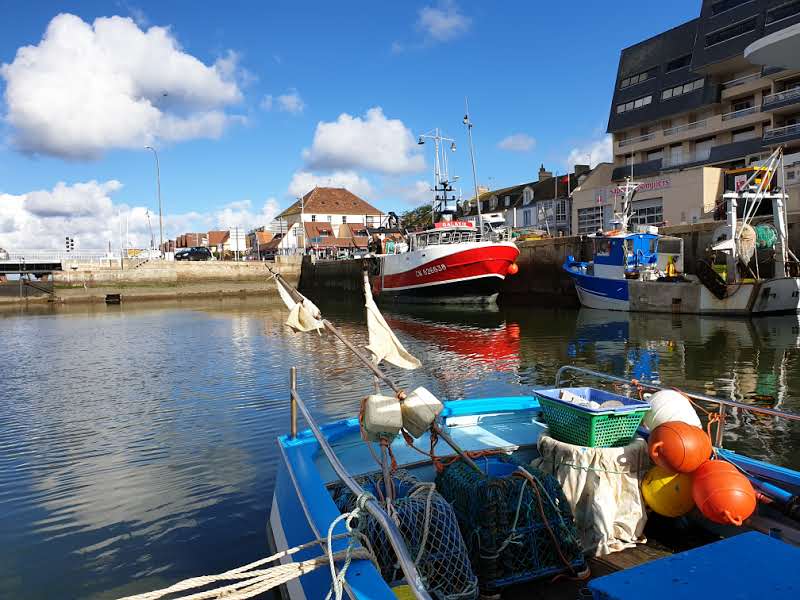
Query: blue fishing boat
[
  {"x": 643, "y": 271},
  {"x": 319, "y": 462}
]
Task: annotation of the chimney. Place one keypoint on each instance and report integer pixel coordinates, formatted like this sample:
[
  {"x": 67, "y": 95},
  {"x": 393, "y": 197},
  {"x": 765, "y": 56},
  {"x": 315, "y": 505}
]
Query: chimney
[
  {"x": 581, "y": 170},
  {"x": 544, "y": 174}
]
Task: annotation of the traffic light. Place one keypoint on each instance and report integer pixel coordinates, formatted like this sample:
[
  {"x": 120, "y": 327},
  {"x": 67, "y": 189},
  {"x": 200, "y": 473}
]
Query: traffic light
[{"x": 69, "y": 243}]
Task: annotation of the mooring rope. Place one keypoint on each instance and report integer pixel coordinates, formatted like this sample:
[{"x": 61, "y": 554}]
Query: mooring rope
[{"x": 248, "y": 580}]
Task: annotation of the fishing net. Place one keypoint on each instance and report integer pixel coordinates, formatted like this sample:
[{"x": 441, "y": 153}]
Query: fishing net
[
  {"x": 515, "y": 528},
  {"x": 429, "y": 528}
]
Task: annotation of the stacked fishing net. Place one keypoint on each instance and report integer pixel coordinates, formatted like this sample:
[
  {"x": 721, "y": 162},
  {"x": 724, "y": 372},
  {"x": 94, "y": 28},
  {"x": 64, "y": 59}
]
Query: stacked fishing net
[
  {"x": 429, "y": 529},
  {"x": 517, "y": 526}
]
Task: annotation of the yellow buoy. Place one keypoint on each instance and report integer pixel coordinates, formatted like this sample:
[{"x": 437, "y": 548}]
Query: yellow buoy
[{"x": 668, "y": 493}]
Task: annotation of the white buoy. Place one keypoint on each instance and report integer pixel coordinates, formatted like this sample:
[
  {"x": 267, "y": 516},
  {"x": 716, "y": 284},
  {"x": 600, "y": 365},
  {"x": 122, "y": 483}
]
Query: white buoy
[{"x": 669, "y": 405}]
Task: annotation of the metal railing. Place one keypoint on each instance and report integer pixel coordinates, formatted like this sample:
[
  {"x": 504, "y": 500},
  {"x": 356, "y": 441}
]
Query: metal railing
[
  {"x": 723, "y": 403},
  {"x": 60, "y": 255},
  {"x": 793, "y": 94},
  {"x": 776, "y": 132},
  {"x": 636, "y": 140},
  {"x": 686, "y": 127},
  {"x": 739, "y": 81},
  {"x": 372, "y": 506},
  {"x": 742, "y": 112}
]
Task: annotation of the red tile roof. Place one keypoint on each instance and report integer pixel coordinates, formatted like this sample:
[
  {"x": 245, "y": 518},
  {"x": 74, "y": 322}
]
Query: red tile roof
[
  {"x": 215, "y": 238},
  {"x": 331, "y": 201}
]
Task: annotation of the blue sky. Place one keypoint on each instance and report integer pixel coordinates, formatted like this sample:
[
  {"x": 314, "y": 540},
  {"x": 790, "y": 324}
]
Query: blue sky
[{"x": 276, "y": 76}]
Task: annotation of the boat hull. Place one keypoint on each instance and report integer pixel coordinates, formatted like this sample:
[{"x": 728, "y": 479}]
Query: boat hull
[
  {"x": 771, "y": 296},
  {"x": 466, "y": 273}
]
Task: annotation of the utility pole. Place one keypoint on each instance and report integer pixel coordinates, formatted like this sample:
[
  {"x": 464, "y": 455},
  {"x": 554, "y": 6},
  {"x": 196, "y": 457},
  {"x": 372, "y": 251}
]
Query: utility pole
[{"x": 160, "y": 211}]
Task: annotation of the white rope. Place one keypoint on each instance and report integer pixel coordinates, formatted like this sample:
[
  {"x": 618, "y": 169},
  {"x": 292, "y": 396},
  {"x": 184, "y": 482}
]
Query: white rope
[
  {"x": 337, "y": 579},
  {"x": 253, "y": 581}
]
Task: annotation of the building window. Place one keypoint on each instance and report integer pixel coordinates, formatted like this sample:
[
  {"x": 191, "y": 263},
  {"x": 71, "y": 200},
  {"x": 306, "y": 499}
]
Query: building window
[
  {"x": 784, "y": 11},
  {"x": 634, "y": 79},
  {"x": 508, "y": 201},
  {"x": 653, "y": 214},
  {"x": 742, "y": 104},
  {"x": 655, "y": 154},
  {"x": 526, "y": 218},
  {"x": 702, "y": 148},
  {"x": 590, "y": 219},
  {"x": 730, "y": 32},
  {"x": 724, "y": 5},
  {"x": 748, "y": 133},
  {"x": 561, "y": 211},
  {"x": 344, "y": 219},
  {"x": 684, "y": 88},
  {"x": 313, "y": 218},
  {"x": 633, "y": 104},
  {"x": 527, "y": 196},
  {"x": 676, "y": 154},
  {"x": 679, "y": 63}
]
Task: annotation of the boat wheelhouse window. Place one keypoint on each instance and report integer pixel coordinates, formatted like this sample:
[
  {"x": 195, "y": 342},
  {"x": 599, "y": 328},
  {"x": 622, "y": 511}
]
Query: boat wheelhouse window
[{"x": 602, "y": 247}]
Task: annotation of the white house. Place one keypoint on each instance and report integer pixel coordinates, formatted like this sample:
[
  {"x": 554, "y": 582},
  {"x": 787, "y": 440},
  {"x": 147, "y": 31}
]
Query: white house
[{"x": 336, "y": 206}]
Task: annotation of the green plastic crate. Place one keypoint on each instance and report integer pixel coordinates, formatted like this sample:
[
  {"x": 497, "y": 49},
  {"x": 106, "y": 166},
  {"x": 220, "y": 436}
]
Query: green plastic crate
[{"x": 581, "y": 426}]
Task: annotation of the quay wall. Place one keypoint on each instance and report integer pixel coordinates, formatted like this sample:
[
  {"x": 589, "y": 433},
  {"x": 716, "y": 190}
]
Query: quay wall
[
  {"x": 332, "y": 279},
  {"x": 157, "y": 280}
]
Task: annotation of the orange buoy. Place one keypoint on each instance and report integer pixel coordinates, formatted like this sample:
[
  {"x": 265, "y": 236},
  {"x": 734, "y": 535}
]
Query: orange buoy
[
  {"x": 679, "y": 447},
  {"x": 722, "y": 493},
  {"x": 513, "y": 269}
]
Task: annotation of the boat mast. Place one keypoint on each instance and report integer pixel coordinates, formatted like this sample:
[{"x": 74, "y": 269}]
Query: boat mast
[
  {"x": 622, "y": 218},
  {"x": 441, "y": 174},
  {"x": 468, "y": 123}
]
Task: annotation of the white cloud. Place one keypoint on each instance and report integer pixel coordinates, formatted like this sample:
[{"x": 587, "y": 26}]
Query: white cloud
[
  {"x": 414, "y": 192},
  {"x": 517, "y": 142},
  {"x": 373, "y": 143},
  {"x": 443, "y": 22},
  {"x": 304, "y": 181},
  {"x": 86, "y": 212},
  {"x": 592, "y": 152},
  {"x": 87, "y": 88},
  {"x": 290, "y": 102}
]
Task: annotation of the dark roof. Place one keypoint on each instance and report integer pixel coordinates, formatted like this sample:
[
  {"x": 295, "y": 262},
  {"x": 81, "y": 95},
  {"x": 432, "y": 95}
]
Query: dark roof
[{"x": 331, "y": 201}]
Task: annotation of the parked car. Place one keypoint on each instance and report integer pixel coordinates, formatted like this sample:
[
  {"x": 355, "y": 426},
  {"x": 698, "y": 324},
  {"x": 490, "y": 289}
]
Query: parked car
[{"x": 196, "y": 253}]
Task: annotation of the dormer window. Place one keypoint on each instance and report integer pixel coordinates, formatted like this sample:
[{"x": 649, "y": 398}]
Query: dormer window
[{"x": 527, "y": 196}]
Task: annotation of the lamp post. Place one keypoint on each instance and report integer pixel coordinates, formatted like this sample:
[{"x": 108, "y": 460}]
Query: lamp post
[{"x": 160, "y": 212}]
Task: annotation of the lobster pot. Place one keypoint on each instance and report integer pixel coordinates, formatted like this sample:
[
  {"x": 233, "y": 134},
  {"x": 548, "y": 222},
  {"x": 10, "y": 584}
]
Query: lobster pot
[
  {"x": 429, "y": 529},
  {"x": 504, "y": 522}
]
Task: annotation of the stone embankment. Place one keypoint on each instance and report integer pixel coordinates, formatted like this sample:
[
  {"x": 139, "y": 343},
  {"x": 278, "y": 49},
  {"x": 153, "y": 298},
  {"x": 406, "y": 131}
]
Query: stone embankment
[{"x": 156, "y": 280}]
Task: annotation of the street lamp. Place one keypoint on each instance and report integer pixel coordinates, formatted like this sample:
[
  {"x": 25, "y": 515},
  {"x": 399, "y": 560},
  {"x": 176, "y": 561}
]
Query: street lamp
[{"x": 160, "y": 212}]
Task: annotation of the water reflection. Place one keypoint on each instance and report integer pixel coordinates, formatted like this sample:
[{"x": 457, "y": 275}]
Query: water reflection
[{"x": 137, "y": 443}]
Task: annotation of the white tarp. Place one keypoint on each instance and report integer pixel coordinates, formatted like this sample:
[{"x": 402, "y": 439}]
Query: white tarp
[
  {"x": 383, "y": 344},
  {"x": 303, "y": 316},
  {"x": 602, "y": 486}
]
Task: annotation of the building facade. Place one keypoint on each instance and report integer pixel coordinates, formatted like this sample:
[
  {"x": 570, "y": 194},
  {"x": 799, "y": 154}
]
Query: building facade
[
  {"x": 687, "y": 99},
  {"x": 333, "y": 208}
]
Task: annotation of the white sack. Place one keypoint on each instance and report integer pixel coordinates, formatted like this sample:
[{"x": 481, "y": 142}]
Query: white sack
[
  {"x": 303, "y": 316},
  {"x": 602, "y": 486}
]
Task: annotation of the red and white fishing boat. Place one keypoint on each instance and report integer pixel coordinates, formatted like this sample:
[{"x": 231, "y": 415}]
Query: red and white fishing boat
[{"x": 453, "y": 261}]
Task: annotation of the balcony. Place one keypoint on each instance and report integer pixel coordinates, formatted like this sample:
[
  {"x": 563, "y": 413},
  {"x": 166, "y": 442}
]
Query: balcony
[
  {"x": 737, "y": 114},
  {"x": 726, "y": 85},
  {"x": 685, "y": 127},
  {"x": 636, "y": 140},
  {"x": 780, "y": 135},
  {"x": 786, "y": 99}
]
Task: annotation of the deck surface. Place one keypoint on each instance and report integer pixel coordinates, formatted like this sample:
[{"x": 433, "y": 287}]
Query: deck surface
[{"x": 569, "y": 589}]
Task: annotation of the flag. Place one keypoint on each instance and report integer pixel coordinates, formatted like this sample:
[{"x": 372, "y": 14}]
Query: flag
[
  {"x": 383, "y": 344},
  {"x": 304, "y": 315}
]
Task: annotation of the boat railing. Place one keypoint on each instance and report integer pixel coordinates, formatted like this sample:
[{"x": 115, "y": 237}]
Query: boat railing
[
  {"x": 722, "y": 403},
  {"x": 371, "y": 505}
]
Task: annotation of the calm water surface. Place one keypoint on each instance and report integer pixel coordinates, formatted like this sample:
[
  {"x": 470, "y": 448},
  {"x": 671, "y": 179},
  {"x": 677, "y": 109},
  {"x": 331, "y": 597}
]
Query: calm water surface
[{"x": 137, "y": 444}]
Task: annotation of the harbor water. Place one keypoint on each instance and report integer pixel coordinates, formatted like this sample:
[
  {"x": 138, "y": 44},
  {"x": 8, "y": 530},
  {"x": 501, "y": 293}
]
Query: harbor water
[{"x": 137, "y": 444}]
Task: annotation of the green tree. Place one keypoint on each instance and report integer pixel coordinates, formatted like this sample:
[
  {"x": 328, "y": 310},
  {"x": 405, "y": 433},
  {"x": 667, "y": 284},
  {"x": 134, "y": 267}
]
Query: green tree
[{"x": 417, "y": 217}]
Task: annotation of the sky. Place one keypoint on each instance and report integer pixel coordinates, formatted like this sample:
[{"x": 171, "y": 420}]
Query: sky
[{"x": 251, "y": 104}]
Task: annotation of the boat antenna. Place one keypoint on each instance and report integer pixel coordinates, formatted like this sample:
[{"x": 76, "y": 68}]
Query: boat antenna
[
  {"x": 376, "y": 370},
  {"x": 468, "y": 123},
  {"x": 441, "y": 173}
]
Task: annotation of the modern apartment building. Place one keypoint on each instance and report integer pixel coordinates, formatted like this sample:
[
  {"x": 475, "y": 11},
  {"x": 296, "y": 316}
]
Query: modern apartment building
[{"x": 687, "y": 104}]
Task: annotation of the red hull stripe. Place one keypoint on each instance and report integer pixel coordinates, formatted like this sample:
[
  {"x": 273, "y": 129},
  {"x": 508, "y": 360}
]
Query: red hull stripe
[{"x": 492, "y": 261}]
